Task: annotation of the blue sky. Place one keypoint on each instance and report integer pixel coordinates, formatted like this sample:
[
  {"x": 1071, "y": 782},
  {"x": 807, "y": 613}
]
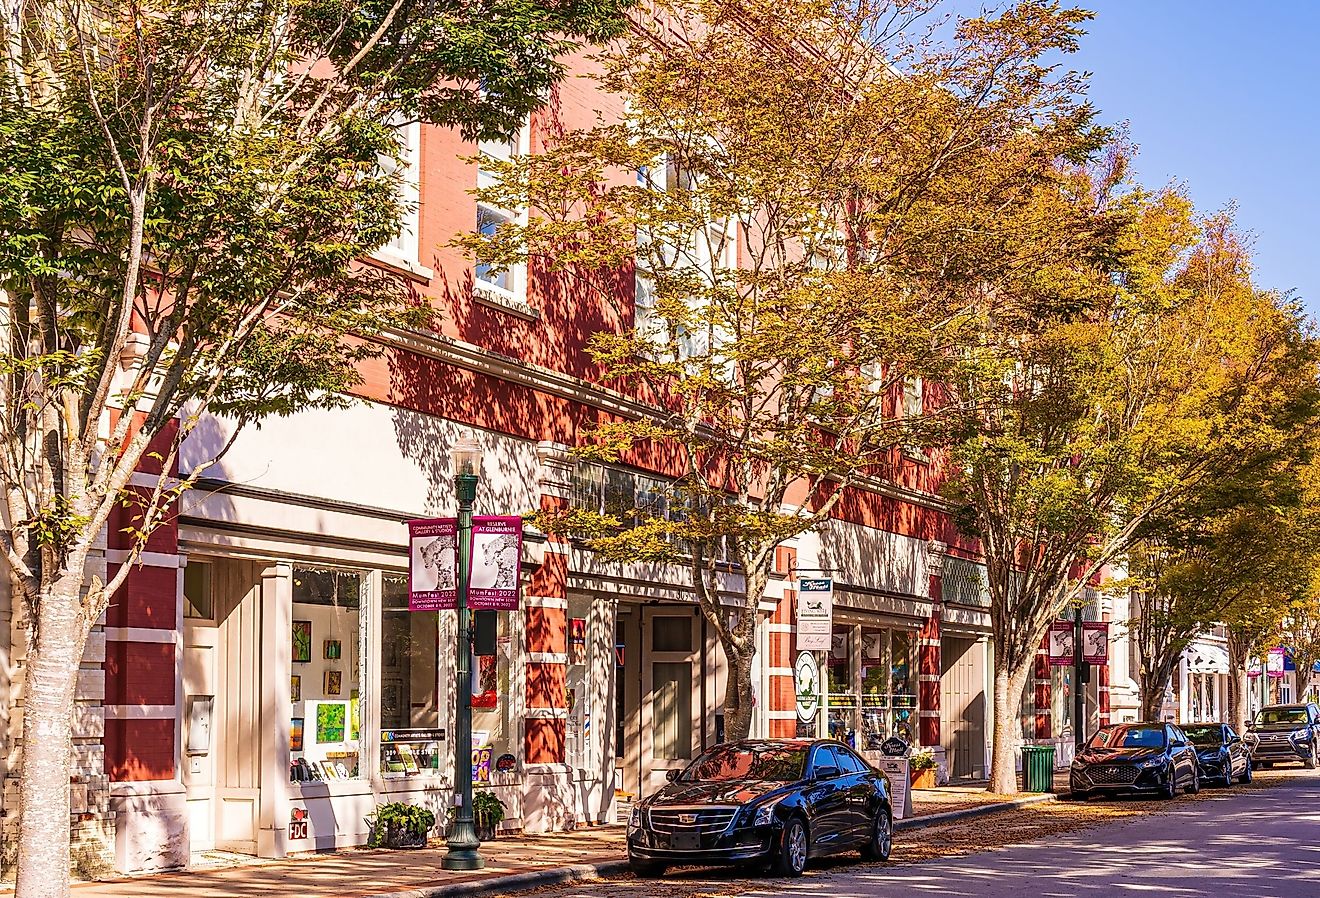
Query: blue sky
[
  {"x": 1223, "y": 96},
  {"x": 1220, "y": 95}
]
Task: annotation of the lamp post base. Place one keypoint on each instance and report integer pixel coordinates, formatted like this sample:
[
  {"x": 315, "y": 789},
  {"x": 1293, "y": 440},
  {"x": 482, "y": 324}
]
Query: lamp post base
[{"x": 463, "y": 851}]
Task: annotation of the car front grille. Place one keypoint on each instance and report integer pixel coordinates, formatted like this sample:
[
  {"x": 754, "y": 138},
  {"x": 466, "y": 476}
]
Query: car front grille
[
  {"x": 705, "y": 821},
  {"x": 1113, "y": 774},
  {"x": 1273, "y": 738}
]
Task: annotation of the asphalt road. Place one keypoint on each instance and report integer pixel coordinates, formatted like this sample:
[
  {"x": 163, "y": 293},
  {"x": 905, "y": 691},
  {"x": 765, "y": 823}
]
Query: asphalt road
[{"x": 1259, "y": 843}]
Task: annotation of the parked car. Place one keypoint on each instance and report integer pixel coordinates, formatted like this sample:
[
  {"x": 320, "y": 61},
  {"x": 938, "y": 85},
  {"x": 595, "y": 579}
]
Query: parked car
[
  {"x": 1135, "y": 758},
  {"x": 1285, "y": 733},
  {"x": 776, "y": 801},
  {"x": 1221, "y": 754}
]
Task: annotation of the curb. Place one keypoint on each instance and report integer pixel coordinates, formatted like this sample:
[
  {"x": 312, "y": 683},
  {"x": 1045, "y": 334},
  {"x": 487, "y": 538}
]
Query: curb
[
  {"x": 513, "y": 882},
  {"x": 951, "y": 816},
  {"x": 535, "y": 879}
]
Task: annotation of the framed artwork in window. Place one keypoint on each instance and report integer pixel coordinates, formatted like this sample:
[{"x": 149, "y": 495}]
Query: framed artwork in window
[
  {"x": 334, "y": 682},
  {"x": 333, "y": 649},
  {"x": 302, "y": 641},
  {"x": 295, "y": 688}
]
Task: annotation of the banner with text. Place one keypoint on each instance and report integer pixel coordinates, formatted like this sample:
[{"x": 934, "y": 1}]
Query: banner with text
[
  {"x": 1095, "y": 642},
  {"x": 1061, "y": 643},
  {"x": 496, "y": 558},
  {"x": 432, "y": 564}
]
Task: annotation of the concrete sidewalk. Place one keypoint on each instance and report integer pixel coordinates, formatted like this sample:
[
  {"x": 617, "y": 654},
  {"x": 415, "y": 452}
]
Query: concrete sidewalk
[{"x": 513, "y": 863}]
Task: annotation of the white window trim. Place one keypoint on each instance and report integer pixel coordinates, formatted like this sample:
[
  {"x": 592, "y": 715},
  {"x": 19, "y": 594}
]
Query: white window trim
[
  {"x": 483, "y": 292},
  {"x": 403, "y": 253}
]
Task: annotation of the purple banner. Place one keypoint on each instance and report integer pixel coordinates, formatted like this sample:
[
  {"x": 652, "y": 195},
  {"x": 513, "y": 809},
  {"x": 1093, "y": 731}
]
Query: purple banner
[
  {"x": 432, "y": 563},
  {"x": 1061, "y": 643},
  {"x": 1095, "y": 642},
  {"x": 496, "y": 558}
]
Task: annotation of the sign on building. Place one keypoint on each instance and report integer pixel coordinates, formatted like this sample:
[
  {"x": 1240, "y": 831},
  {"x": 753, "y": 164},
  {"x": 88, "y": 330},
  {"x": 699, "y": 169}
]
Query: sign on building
[
  {"x": 1274, "y": 663},
  {"x": 1095, "y": 642},
  {"x": 1061, "y": 643},
  {"x": 815, "y": 614}
]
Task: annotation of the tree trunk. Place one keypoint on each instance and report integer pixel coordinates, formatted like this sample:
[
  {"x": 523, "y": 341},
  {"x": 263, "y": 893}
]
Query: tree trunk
[
  {"x": 50, "y": 681},
  {"x": 1008, "y": 687},
  {"x": 738, "y": 695},
  {"x": 1237, "y": 682},
  {"x": 1153, "y": 684}
]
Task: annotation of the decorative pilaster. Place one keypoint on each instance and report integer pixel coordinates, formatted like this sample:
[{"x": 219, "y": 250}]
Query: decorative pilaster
[
  {"x": 929, "y": 657},
  {"x": 781, "y": 710},
  {"x": 1044, "y": 718},
  {"x": 546, "y": 624}
]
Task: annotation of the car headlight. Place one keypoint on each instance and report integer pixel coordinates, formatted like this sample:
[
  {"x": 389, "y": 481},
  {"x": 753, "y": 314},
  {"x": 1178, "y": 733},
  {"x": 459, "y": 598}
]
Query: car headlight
[
  {"x": 766, "y": 813},
  {"x": 1151, "y": 762},
  {"x": 635, "y": 820},
  {"x": 1296, "y": 735}
]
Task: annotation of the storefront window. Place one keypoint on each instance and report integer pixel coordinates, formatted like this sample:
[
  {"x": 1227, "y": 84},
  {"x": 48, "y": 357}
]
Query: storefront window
[
  {"x": 1061, "y": 700},
  {"x": 326, "y": 675},
  {"x": 903, "y": 668},
  {"x": 843, "y": 699},
  {"x": 411, "y": 741},
  {"x": 578, "y": 679},
  {"x": 491, "y": 687}
]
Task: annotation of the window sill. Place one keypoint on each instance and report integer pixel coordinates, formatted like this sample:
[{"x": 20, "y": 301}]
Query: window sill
[
  {"x": 920, "y": 456},
  {"x": 399, "y": 265},
  {"x": 505, "y": 303}
]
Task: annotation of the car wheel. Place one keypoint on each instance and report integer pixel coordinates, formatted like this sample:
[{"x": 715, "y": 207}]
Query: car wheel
[
  {"x": 1196, "y": 782},
  {"x": 793, "y": 847},
  {"x": 1309, "y": 761},
  {"x": 1170, "y": 787},
  {"x": 1246, "y": 774},
  {"x": 646, "y": 869},
  {"x": 877, "y": 848}
]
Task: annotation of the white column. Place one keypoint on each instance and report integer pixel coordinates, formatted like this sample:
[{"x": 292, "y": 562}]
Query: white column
[{"x": 276, "y": 709}]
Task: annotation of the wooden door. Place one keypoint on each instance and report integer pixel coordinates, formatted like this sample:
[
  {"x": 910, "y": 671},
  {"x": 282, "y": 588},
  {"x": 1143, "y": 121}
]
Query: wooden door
[{"x": 672, "y": 695}]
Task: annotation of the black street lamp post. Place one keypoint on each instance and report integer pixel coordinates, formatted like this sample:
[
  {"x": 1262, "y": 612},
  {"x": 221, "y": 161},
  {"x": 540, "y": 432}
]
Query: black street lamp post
[{"x": 463, "y": 844}]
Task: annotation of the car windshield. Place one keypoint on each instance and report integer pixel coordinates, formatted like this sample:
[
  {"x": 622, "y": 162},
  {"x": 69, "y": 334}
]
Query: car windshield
[
  {"x": 782, "y": 763},
  {"x": 1205, "y": 736},
  {"x": 1274, "y": 716},
  {"x": 1129, "y": 737}
]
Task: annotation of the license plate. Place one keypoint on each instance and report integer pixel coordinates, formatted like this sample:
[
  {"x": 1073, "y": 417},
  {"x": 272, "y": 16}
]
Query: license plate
[{"x": 685, "y": 841}]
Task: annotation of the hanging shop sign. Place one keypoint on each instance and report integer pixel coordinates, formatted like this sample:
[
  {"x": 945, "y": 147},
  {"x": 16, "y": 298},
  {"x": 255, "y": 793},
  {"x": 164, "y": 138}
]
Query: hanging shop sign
[
  {"x": 1095, "y": 642},
  {"x": 815, "y": 614},
  {"x": 806, "y": 682},
  {"x": 496, "y": 556},
  {"x": 1274, "y": 663},
  {"x": 432, "y": 564},
  {"x": 1061, "y": 643}
]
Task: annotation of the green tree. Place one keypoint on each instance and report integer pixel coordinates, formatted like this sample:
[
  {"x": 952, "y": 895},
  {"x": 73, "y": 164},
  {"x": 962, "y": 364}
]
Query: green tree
[
  {"x": 788, "y": 180},
  {"x": 1123, "y": 369},
  {"x": 185, "y": 188}
]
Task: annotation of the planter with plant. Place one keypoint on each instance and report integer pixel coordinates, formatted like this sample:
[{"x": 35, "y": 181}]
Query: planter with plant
[
  {"x": 922, "y": 764},
  {"x": 398, "y": 824},
  {"x": 487, "y": 812}
]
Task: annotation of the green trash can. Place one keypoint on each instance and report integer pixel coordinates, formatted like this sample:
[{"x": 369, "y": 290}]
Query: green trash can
[{"x": 1038, "y": 768}]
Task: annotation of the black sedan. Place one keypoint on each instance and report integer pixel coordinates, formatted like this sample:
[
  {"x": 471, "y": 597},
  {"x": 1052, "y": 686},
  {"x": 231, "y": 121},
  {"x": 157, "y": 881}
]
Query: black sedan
[
  {"x": 1221, "y": 754},
  {"x": 1135, "y": 758},
  {"x": 776, "y": 801}
]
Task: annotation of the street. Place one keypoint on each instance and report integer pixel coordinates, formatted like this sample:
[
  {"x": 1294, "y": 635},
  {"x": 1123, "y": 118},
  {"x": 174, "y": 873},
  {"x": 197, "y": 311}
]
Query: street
[{"x": 1258, "y": 842}]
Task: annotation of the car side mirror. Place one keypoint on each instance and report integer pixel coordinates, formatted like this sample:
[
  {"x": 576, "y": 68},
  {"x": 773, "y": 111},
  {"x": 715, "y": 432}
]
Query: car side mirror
[
  {"x": 1178, "y": 743},
  {"x": 672, "y": 775}
]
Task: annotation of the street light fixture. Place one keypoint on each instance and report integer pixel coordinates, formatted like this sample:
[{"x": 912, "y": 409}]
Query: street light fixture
[{"x": 463, "y": 844}]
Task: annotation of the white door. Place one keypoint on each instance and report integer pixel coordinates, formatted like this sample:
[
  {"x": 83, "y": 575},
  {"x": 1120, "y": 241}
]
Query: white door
[{"x": 672, "y": 703}]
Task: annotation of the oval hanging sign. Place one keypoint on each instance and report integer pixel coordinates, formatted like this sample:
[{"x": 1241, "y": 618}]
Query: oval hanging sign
[{"x": 806, "y": 682}]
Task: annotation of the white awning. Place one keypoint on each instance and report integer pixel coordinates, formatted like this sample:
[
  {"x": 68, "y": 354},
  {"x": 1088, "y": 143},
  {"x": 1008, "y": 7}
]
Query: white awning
[{"x": 1205, "y": 658}]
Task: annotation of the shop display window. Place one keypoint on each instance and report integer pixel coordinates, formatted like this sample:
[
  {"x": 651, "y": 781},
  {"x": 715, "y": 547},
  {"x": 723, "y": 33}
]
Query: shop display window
[
  {"x": 412, "y": 742},
  {"x": 326, "y": 682},
  {"x": 492, "y": 733}
]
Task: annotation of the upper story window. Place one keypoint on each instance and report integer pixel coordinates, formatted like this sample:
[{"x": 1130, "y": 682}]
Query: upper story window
[
  {"x": 403, "y": 249},
  {"x": 504, "y": 286},
  {"x": 914, "y": 397}
]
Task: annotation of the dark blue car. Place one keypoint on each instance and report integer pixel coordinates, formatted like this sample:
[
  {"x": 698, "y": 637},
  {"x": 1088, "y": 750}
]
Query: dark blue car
[{"x": 764, "y": 801}]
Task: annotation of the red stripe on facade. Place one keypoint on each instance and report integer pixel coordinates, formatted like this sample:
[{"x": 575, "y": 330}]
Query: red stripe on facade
[
  {"x": 550, "y": 579},
  {"x": 547, "y": 629},
  {"x": 781, "y": 649},
  {"x": 149, "y": 598},
  {"x": 544, "y": 740},
  {"x": 1042, "y": 696},
  {"x": 126, "y": 520},
  {"x": 546, "y": 685},
  {"x": 139, "y": 750},
  {"x": 139, "y": 673}
]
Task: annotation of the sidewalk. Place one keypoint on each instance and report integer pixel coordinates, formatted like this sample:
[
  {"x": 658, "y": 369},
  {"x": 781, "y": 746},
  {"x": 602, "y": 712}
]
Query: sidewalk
[{"x": 532, "y": 861}]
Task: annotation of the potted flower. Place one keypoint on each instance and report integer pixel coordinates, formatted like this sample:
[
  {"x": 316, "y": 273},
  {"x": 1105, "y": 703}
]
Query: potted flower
[
  {"x": 922, "y": 764},
  {"x": 398, "y": 824},
  {"x": 487, "y": 812}
]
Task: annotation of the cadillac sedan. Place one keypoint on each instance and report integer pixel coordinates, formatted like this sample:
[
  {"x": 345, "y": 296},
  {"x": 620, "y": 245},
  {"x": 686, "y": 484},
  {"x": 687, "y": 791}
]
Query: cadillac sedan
[
  {"x": 758, "y": 801},
  {"x": 1135, "y": 758}
]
